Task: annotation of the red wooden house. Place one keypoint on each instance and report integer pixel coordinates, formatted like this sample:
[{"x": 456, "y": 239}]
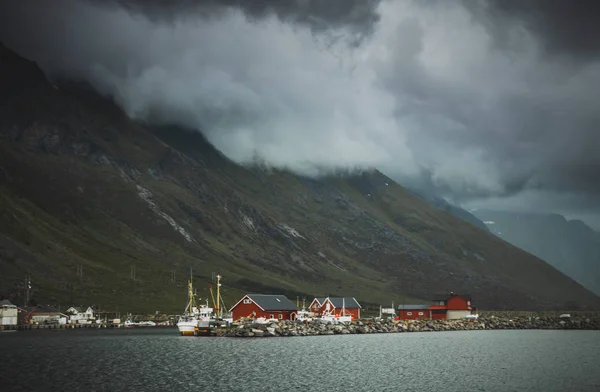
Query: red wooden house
[
  {"x": 450, "y": 307},
  {"x": 334, "y": 305},
  {"x": 316, "y": 304},
  {"x": 276, "y": 307},
  {"x": 445, "y": 307},
  {"x": 413, "y": 312}
]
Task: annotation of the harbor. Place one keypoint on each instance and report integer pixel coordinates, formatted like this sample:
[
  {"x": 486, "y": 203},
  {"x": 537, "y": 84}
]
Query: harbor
[{"x": 273, "y": 315}]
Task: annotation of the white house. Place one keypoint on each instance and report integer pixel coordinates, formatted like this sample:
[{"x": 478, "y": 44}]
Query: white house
[
  {"x": 8, "y": 313},
  {"x": 81, "y": 315}
]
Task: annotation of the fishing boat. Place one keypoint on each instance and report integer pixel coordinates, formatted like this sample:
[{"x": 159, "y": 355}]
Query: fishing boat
[
  {"x": 202, "y": 320},
  {"x": 195, "y": 319},
  {"x": 303, "y": 314},
  {"x": 330, "y": 316}
]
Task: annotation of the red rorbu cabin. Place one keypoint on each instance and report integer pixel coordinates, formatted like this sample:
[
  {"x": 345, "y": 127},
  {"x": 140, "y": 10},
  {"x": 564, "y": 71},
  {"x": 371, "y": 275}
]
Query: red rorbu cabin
[
  {"x": 316, "y": 304},
  {"x": 413, "y": 312},
  {"x": 451, "y": 307},
  {"x": 275, "y": 307}
]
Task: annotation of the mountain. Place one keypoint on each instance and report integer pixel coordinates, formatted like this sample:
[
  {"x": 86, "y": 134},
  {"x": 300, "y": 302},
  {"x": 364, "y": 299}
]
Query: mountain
[
  {"x": 443, "y": 204},
  {"x": 569, "y": 245},
  {"x": 103, "y": 210}
]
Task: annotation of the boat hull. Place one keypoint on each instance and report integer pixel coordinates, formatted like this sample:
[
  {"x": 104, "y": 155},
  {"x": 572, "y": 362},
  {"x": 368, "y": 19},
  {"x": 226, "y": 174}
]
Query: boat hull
[
  {"x": 187, "y": 328},
  {"x": 195, "y": 328}
]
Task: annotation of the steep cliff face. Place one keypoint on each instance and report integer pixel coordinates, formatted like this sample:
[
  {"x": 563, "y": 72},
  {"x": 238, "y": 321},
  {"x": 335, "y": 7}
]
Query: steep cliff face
[
  {"x": 84, "y": 188},
  {"x": 569, "y": 245}
]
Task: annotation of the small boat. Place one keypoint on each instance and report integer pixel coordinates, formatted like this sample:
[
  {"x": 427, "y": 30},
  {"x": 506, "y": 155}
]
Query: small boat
[{"x": 304, "y": 315}]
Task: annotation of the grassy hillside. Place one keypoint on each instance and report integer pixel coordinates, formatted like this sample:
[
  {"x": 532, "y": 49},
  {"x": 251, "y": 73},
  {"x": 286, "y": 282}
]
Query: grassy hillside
[{"x": 82, "y": 185}]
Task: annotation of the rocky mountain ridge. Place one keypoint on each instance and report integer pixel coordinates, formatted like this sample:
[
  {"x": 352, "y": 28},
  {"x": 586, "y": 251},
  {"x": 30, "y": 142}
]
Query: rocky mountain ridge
[
  {"x": 569, "y": 245},
  {"x": 99, "y": 209}
]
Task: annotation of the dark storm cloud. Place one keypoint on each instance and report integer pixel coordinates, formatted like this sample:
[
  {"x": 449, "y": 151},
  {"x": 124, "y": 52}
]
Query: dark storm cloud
[
  {"x": 474, "y": 100},
  {"x": 358, "y": 16},
  {"x": 562, "y": 27}
]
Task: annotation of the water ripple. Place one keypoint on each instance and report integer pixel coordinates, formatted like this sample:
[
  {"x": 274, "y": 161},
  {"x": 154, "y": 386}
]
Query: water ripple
[{"x": 158, "y": 360}]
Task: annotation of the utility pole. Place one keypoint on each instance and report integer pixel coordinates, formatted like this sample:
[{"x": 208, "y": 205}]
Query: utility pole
[
  {"x": 132, "y": 274},
  {"x": 79, "y": 271}
]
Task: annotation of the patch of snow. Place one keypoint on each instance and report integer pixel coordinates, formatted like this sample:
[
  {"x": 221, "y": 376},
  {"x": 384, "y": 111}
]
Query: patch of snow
[
  {"x": 290, "y": 230},
  {"x": 321, "y": 254},
  {"x": 146, "y": 195},
  {"x": 489, "y": 222},
  {"x": 246, "y": 220},
  {"x": 478, "y": 256}
]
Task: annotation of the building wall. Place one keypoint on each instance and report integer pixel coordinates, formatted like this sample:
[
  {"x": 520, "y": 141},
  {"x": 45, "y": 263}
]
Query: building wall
[
  {"x": 252, "y": 310},
  {"x": 457, "y": 314},
  {"x": 43, "y": 317},
  {"x": 414, "y": 314},
  {"x": 8, "y": 312},
  {"x": 8, "y": 320},
  {"x": 458, "y": 303},
  {"x": 438, "y": 314},
  {"x": 314, "y": 306}
]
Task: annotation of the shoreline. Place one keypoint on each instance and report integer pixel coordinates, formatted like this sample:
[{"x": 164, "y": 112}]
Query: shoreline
[
  {"x": 364, "y": 326},
  {"x": 370, "y": 326}
]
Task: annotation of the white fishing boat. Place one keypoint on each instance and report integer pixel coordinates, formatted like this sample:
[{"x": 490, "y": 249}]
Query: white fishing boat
[
  {"x": 195, "y": 319},
  {"x": 201, "y": 320}
]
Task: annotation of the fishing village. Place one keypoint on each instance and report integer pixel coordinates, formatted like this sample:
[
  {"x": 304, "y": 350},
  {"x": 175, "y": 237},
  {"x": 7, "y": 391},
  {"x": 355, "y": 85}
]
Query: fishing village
[{"x": 271, "y": 315}]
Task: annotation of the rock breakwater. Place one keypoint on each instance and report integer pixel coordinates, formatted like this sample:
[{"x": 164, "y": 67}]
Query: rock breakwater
[{"x": 369, "y": 326}]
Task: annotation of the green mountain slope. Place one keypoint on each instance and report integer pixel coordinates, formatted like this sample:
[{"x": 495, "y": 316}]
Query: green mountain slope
[{"x": 82, "y": 186}]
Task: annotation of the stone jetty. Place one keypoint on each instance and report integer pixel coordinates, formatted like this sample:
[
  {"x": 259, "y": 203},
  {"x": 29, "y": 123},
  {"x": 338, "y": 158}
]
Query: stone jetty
[{"x": 369, "y": 326}]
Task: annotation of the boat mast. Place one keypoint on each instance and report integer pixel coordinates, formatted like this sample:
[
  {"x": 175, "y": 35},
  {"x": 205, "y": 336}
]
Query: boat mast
[
  {"x": 218, "y": 295},
  {"x": 190, "y": 307}
]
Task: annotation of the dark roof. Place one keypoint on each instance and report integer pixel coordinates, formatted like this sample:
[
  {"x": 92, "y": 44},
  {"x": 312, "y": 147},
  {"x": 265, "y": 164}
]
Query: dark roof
[
  {"x": 413, "y": 307},
  {"x": 347, "y": 302},
  {"x": 444, "y": 297},
  {"x": 273, "y": 302},
  {"x": 6, "y": 302},
  {"x": 42, "y": 309}
]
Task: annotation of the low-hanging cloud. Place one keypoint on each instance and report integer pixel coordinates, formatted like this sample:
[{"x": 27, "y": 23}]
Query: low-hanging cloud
[{"x": 467, "y": 97}]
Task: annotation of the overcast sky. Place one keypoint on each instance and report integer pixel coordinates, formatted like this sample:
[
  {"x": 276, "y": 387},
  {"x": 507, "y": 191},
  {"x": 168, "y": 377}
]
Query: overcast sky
[{"x": 488, "y": 103}]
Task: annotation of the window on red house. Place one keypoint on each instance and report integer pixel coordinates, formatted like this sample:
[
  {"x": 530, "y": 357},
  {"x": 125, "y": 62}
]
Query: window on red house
[{"x": 280, "y": 316}]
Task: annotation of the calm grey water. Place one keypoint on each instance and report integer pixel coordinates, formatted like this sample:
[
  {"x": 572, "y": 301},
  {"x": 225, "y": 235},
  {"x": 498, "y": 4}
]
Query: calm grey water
[{"x": 160, "y": 360}]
